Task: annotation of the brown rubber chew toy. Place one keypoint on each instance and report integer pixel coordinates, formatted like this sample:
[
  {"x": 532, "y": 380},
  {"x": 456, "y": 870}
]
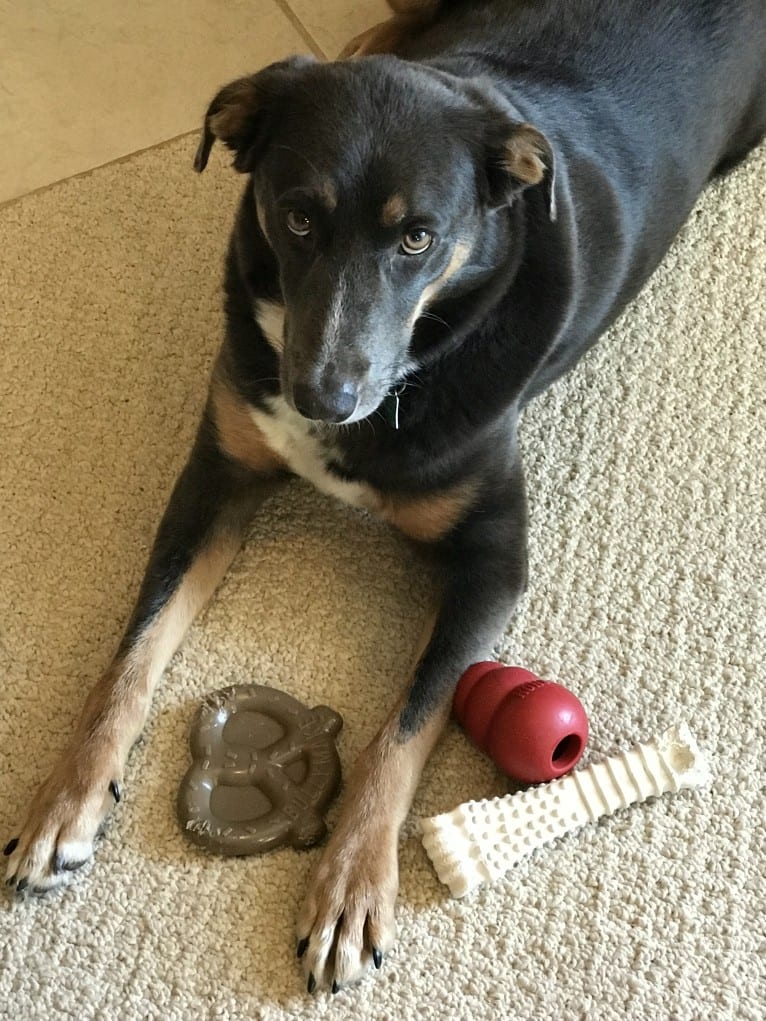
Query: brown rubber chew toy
[{"x": 264, "y": 768}]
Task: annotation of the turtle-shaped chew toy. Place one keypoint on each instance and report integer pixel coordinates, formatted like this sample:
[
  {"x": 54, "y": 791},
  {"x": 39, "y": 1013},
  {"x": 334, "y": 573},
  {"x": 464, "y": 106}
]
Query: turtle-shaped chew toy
[{"x": 264, "y": 768}]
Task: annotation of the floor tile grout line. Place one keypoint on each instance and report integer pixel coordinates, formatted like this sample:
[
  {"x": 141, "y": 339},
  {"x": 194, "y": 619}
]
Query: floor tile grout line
[
  {"x": 295, "y": 21},
  {"x": 304, "y": 33},
  {"x": 101, "y": 166}
]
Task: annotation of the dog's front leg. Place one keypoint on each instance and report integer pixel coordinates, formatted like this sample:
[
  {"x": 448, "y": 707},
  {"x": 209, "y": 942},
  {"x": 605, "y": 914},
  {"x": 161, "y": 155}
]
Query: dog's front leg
[
  {"x": 348, "y": 917},
  {"x": 200, "y": 532}
]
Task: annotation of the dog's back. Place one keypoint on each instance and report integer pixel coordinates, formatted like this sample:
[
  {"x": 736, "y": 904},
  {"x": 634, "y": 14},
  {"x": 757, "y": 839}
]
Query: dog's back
[
  {"x": 643, "y": 101},
  {"x": 691, "y": 74}
]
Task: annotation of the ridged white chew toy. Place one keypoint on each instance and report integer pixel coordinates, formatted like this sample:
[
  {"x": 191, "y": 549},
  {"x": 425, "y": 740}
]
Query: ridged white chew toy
[{"x": 480, "y": 840}]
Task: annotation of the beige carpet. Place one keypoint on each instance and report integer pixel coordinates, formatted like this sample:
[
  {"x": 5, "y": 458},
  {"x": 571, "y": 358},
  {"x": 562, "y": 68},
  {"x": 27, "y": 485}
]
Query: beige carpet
[{"x": 646, "y": 471}]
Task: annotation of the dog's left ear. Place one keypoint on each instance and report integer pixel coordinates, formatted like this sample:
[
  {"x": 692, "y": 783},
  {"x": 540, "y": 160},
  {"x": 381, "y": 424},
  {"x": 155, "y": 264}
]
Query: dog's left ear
[
  {"x": 240, "y": 113},
  {"x": 521, "y": 158}
]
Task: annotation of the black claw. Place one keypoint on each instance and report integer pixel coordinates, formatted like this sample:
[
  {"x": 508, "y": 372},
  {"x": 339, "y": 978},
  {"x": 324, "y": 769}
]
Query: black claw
[
  {"x": 115, "y": 791},
  {"x": 60, "y": 864},
  {"x": 11, "y": 846},
  {"x": 11, "y": 881},
  {"x": 312, "y": 983},
  {"x": 335, "y": 987},
  {"x": 73, "y": 866},
  {"x": 302, "y": 947},
  {"x": 22, "y": 885},
  {"x": 377, "y": 957}
]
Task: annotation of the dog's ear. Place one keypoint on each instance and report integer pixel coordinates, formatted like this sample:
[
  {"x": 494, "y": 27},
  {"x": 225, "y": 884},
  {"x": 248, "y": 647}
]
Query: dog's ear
[
  {"x": 521, "y": 157},
  {"x": 240, "y": 114}
]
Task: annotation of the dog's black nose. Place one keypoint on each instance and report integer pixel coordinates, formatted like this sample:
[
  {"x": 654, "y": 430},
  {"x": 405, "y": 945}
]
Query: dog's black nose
[{"x": 326, "y": 405}]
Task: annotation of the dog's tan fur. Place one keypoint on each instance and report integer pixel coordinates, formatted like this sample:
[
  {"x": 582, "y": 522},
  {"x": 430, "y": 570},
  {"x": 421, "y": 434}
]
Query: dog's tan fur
[
  {"x": 429, "y": 518},
  {"x": 524, "y": 155},
  {"x": 393, "y": 211},
  {"x": 460, "y": 254},
  {"x": 358, "y": 875},
  {"x": 409, "y": 16},
  {"x": 70, "y": 806},
  {"x": 238, "y": 435}
]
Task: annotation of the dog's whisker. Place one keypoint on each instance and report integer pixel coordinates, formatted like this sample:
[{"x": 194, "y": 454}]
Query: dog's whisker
[{"x": 437, "y": 319}]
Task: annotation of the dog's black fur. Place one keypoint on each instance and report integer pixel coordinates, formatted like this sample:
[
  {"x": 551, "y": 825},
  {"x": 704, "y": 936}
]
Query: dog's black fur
[
  {"x": 641, "y": 103},
  {"x": 552, "y": 149}
]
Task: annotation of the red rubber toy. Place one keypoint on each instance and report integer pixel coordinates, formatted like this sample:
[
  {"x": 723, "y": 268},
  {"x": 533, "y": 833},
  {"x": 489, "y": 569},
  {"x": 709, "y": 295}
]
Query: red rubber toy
[{"x": 533, "y": 730}]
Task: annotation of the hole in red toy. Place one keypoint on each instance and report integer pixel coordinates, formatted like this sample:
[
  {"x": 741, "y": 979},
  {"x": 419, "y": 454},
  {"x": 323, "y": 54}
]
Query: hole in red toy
[{"x": 567, "y": 751}]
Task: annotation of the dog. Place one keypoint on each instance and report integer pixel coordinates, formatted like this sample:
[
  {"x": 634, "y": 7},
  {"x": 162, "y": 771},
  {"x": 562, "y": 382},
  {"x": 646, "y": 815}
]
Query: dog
[{"x": 430, "y": 234}]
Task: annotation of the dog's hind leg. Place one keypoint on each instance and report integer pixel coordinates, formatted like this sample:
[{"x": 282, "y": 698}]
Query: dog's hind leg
[
  {"x": 347, "y": 920},
  {"x": 199, "y": 535}
]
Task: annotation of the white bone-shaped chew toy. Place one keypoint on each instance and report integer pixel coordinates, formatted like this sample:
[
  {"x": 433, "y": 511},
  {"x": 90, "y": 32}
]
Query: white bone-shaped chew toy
[{"x": 480, "y": 840}]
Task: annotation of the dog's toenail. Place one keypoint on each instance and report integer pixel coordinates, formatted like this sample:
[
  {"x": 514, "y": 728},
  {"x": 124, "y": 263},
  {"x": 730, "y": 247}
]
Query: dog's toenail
[
  {"x": 60, "y": 864},
  {"x": 335, "y": 988},
  {"x": 312, "y": 983},
  {"x": 115, "y": 791},
  {"x": 377, "y": 957},
  {"x": 11, "y": 846},
  {"x": 302, "y": 947},
  {"x": 72, "y": 866},
  {"x": 11, "y": 881},
  {"x": 22, "y": 885}
]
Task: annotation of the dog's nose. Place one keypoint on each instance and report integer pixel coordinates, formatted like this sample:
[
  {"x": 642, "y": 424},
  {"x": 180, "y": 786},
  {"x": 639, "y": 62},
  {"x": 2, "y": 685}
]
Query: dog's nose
[{"x": 334, "y": 404}]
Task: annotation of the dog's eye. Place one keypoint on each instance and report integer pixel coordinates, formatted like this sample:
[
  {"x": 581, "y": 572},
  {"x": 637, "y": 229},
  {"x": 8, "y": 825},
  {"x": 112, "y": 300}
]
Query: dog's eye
[
  {"x": 298, "y": 222},
  {"x": 417, "y": 241}
]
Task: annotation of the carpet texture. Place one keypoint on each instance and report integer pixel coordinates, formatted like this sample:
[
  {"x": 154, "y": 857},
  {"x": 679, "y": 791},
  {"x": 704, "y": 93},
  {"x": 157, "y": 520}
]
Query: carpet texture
[{"x": 645, "y": 470}]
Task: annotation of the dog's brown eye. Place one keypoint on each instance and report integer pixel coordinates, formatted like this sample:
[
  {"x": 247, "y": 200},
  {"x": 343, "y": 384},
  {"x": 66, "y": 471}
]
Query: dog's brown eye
[
  {"x": 417, "y": 241},
  {"x": 298, "y": 222}
]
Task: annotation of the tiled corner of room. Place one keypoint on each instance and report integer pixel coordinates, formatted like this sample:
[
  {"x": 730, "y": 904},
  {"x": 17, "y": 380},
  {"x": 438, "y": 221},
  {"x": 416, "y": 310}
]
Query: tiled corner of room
[{"x": 85, "y": 83}]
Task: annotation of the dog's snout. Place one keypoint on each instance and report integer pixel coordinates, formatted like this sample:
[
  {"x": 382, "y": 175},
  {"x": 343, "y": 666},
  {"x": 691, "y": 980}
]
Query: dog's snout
[{"x": 334, "y": 403}]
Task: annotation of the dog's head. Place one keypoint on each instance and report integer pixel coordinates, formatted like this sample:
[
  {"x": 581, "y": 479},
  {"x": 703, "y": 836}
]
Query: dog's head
[{"x": 382, "y": 188}]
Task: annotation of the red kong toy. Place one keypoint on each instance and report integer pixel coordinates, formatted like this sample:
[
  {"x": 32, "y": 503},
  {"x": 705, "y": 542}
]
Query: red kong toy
[{"x": 533, "y": 730}]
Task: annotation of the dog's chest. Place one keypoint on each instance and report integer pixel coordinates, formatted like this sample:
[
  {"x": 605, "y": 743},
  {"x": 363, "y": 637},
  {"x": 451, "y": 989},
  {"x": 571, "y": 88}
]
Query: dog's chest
[
  {"x": 307, "y": 451},
  {"x": 301, "y": 444}
]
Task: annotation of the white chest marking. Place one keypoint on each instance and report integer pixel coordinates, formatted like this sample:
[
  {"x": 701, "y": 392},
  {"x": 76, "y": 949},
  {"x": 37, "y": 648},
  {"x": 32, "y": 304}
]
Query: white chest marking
[{"x": 292, "y": 437}]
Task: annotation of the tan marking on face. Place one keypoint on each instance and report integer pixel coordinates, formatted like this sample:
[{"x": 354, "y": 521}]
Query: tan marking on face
[
  {"x": 460, "y": 254},
  {"x": 260, "y": 215},
  {"x": 270, "y": 316},
  {"x": 428, "y": 518},
  {"x": 328, "y": 193},
  {"x": 238, "y": 435},
  {"x": 523, "y": 155},
  {"x": 393, "y": 211}
]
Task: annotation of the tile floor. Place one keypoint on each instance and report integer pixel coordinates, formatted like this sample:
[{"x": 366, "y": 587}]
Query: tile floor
[{"x": 83, "y": 82}]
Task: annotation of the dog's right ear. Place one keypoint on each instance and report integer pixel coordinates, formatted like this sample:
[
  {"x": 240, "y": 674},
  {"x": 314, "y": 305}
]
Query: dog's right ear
[{"x": 238, "y": 116}]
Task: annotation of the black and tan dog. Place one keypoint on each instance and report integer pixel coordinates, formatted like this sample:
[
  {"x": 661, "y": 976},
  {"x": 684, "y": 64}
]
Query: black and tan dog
[{"x": 425, "y": 241}]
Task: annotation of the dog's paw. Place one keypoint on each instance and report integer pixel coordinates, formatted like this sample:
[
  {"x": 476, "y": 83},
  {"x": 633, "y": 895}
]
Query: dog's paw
[
  {"x": 347, "y": 920},
  {"x": 57, "y": 836}
]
